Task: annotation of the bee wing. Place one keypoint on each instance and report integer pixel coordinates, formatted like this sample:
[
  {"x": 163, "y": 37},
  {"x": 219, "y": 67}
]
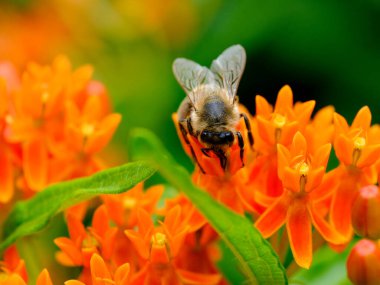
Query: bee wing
[
  {"x": 228, "y": 69},
  {"x": 191, "y": 75}
]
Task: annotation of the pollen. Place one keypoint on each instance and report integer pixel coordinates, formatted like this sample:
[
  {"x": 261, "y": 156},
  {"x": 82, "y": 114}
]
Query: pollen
[
  {"x": 279, "y": 121},
  {"x": 9, "y": 119},
  {"x": 359, "y": 143},
  {"x": 45, "y": 96},
  {"x": 159, "y": 239},
  {"x": 303, "y": 169},
  {"x": 87, "y": 129},
  {"x": 129, "y": 203},
  {"x": 90, "y": 241}
]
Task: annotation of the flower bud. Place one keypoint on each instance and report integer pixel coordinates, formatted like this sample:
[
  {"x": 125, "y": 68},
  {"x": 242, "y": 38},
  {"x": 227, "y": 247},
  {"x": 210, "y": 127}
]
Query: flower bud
[
  {"x": 365, "y": 213},
  {"x": 363, "y": 263}
]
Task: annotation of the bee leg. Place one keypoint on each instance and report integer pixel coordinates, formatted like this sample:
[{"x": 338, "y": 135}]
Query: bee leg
[
  {"x": 248, "y": 126},
  {"x": 222, "y": 158},
  {"x": 241, "y": 145},
  {"x": 189, "y": 126},
  {"x": 205, "y": 151},
  {"x": 184, "y": 135}
]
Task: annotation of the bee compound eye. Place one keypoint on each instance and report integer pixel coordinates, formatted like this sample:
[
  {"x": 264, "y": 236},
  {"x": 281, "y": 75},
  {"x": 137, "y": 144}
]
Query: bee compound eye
[
  {"x": 205, "y": 136},
  {"x": 229, "y": 137}
]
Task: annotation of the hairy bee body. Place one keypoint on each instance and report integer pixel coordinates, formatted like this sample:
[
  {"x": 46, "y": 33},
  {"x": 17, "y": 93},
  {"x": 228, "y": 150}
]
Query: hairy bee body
[
  {"x": 210, "y": 111},
  {"x": 212, "y": 117}
]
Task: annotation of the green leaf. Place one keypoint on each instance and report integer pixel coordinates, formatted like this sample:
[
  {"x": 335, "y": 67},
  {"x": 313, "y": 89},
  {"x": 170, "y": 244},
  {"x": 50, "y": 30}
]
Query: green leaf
[
  {"x": 30, "y": 216},
  {"x": 254, "y": 256}
]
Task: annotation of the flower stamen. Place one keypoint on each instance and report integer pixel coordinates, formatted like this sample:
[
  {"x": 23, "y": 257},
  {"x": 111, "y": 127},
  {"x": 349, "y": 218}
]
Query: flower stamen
[{"x": 359, "y": 144}]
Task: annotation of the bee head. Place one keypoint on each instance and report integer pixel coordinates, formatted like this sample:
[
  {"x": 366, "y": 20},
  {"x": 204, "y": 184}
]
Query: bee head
[{"x": 217, "y": 138}]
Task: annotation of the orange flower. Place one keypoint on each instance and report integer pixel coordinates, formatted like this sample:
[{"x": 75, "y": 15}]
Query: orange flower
[
  {"x": 123, "y": 208},
  {"x": 87, "y": 132},
  {"x": 225, "y": 189},
  {"x": 82, "y": 244},
  {"x": 44, "y": 278},
  {"x": 101, "y": 274},
  {"x": 36, "y": 116},
  {"x": 159, "y": 248},
  {"x": 357, "y": 148},
  {"x": 270, "y": 127},
  {"x": 301, "y": 173},
  {"x": 13, "y": 267},
  {"x": 6, "y": 163}
]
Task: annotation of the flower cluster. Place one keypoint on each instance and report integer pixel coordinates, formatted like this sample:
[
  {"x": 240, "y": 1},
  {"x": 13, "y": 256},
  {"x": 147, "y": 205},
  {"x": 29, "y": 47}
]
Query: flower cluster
[
  {"x": 55, "y": 120},
  {"x": 285, "y": 182},
  {"x": 53, "y": 123}
]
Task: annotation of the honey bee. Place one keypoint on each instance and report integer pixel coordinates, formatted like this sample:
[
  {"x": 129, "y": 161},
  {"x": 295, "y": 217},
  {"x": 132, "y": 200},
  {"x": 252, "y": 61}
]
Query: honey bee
[{"x": 210, "y": 111}]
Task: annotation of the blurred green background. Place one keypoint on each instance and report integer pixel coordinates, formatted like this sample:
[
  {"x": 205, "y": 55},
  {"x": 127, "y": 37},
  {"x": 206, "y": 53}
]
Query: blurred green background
[{"x": 325, "y": 50}]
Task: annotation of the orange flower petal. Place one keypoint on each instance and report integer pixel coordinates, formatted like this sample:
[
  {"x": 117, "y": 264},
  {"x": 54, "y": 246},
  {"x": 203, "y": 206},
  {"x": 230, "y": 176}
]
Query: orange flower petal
[
  {"x": 369, "y": 155},
  {"x": 122, "y": 274},
  {"x": 325, "y": 229},
  {"x": 145, "y": 222},
  {"x": 98, "y": 269},
  {"x": 288, "y": 131},
  {"x": 314, "y": 178},
  {"x": 304, "y": 110},
  {"x": 291, "y": 179},
  {"x": 262, "y": 107},
  {"x": 101, "y": 138},
  {"x": 284, "y": 100},
  {"x": 340, "y": 212},
  {"x": 76, "y": 229},
  {"x": 139, "y": 243},
  {"x": 299, "y": 145},
  {"x": 74, "y": 282},
  {"x": 69, "y": 248},
  {"x": 273, "y": 218},
  {"x": 299, "y": 231},
  {"x": 321, "y": 156},
  {"x": 172, "y": 218},
  {"x": 340, "y": 123},
  {"x": 14, "y": 280},
  {"x": 35, "y": 164},
  {"x": 266, "y": 130},
  {"x": 192, "y": 278},
  {"x": 100, "y": 223},
  {"x": 343, "y": 149},
  {"x": 44, "y": 278},
  {"x": 362, "y": 119},
  {"x": 6, "y": 177},
  {"x": 92, "y": 110}
]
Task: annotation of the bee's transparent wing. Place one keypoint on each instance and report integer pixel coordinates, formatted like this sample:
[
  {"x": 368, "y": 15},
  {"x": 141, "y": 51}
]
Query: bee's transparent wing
[
  {"x": 191, "y": 75},
  {"x": 228, "y": 69}
]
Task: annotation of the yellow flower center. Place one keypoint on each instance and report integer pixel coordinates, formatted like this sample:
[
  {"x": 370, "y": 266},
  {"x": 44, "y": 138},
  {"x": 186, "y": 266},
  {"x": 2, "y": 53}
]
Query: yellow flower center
[
  {"x": 9, "y": 119},
  {"x": 129, "y": 203},
  {"x": 303, "y": 169},
  {"x": 87, "y": 129},
  {"x": 89, "y": 241},
  {"x": 45, "y": 96},
  {"x": 359, "y": 143},
  {"x": 279, "y": 121},
  {"x": 159, "y": 239},
  {"x": 3, "y": 276}
]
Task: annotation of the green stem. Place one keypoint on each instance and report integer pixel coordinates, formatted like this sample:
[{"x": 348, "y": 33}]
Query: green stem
[{"x": 31, "y": 252}]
